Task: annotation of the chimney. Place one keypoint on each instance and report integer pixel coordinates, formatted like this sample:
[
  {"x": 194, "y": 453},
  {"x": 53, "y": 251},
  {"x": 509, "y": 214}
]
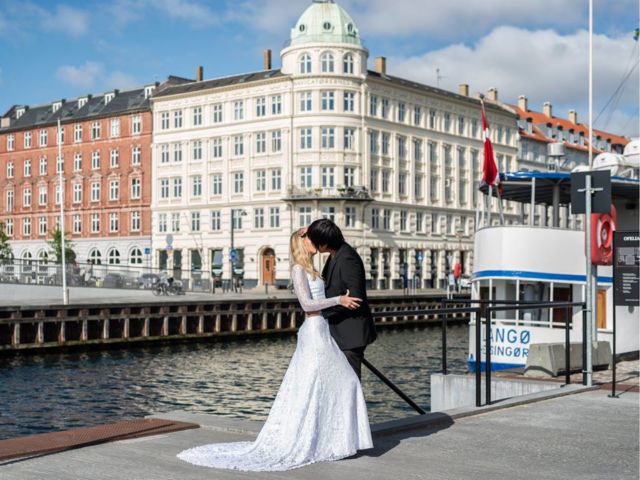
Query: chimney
[
  {"x": 266, "y": 59},
  {"x": 493, "y": 94},
  {"x": 573, "y": 117},
  {"x": 380, "y": 64},
  {"x": 523, "y": 103},
  {"x": 547, "y": 109},
  {"x": 199, "y": 73},
  {"x": 463, "y": 89}
]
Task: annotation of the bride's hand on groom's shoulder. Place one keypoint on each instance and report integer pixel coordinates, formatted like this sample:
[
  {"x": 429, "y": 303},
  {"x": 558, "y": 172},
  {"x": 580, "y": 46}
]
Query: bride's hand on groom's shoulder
[{"x": 350, "y": 302}]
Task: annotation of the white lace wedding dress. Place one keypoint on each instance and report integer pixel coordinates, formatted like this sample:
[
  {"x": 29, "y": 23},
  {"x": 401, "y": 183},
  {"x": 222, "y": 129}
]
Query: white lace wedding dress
[{"x": 319, "y": 412}]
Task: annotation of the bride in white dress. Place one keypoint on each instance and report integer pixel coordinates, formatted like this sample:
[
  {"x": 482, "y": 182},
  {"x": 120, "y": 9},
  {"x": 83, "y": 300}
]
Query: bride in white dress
[{"x": 319, "y": 413}]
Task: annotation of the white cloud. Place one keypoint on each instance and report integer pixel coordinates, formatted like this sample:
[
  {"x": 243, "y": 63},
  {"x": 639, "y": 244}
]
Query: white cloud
[
  {"x": 120, "y": 80},
  {"x": 85, "y": 76},
  {"x": 621, "y": 123},
  {"x": 66, "y": 19},
  {"x": 542, "y": 64},
  {"x": 193, "y": 12}
]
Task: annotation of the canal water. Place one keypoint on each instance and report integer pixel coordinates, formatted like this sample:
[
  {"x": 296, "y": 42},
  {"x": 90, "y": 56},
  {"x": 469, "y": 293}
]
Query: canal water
[{"x": 232, "y": 377}]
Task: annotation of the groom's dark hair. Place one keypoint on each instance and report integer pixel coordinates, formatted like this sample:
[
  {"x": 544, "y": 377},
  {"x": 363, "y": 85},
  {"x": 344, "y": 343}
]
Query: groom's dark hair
[{"x": 325, "y": 232}]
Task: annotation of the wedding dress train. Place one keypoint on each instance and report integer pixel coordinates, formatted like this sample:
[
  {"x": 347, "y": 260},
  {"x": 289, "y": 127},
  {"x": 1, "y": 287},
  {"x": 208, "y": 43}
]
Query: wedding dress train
[{"x": 319, "y": 412}]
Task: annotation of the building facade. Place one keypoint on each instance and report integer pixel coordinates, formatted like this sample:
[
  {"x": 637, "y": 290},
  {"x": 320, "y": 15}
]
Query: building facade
[
  {"x": 105, "y": 163},
  {"x": 245, "y": 160}
]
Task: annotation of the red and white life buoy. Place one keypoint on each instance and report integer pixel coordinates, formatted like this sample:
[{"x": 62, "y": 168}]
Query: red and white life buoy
[{"x": 602, "y": 227}]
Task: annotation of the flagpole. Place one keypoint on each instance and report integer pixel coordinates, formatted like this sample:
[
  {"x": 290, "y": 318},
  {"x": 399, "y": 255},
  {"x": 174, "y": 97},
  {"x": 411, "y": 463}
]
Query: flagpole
[{"x": 65, "y": 291}]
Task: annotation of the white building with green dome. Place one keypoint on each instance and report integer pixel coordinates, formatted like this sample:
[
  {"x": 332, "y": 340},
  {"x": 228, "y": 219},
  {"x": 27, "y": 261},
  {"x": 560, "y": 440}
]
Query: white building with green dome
[{"x": 392, "y": 161}]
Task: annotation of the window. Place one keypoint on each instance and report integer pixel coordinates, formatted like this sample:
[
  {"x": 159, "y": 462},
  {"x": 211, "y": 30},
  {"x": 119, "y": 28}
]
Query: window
[
  {"x": 419, "y": 222},
  {"x": 43, "y": 166},
  {"x": 261, "y": 107},
  {"x": 474, "y": 128},
  {"x": 329, "y": 213},
  {"x": 177, "y": 187},
  {"x": 135, "y": 156},
  {"x": 238, "y": 182},
  {"x": 276, "y": 104},
  {"x": 77, "y": 223},
  {"x": 375, "y": 218},
  {"x": 432, "y": 118},
  {"x": 402, "y": 147},
  {"x": 216, "y": 148},
  {"x": 435, "y": 223},
  {"x": 164, "y": 121},
  {"x": 164, "y": 188},
  {"x": 135, "y": 257},
  {"x": 328, "y": 100},
  {"x": 164, "y": 153},
  {"x": 238, "y": 110},
  {"x": 261, "y": 142},
  {"x": 276, "y": 141},
  {"x": 10, "y": 170},
  {"x": 114, "y": 222},
  {"x": 417, "y": 115},
  {"x": 9, "y": 227},
  {"x": 10, "y": 142},
  {"x": 349, "y": 138},
  {"x": 373, "y": 180},
  {"x": 305, "y": 101},
  {"x": 402, "y": 184},
  {"x": 26, "y": 227},
  {"x": 136, "y": 125},
  {"x": 216, "y": 224},
  {"x": 197, "y": 116},
  {"x": 304, "y": 63},
  {"x": 460, "y": 125},
  {"x": 384, "y": 107},
  {"x": 114, "y": 158},
  {"x": 27, "y": 168},
  {"x": 349, "y": 176},
  {"x": 197, "y": 150},
  {"x": 386, "y": 219},
  {"x": 27, "y": 140},
  {"x": 328, "y": 137},
  {"x": 403, "y": 220},
  {"x": 115, "y": 127},
  {"x": 305, "y": 177},
  {"x": 274, "y": 217},
  {"x": 114, "y": 190},
  {"x": 77, "y": 162},
  {"x": 113, "y": 257},
  {"x": 347, "y": 64},
  {"x": 261, "y": 180},
  {"x": 349, "y": 102},
  {"x": 305, "y": 138},
  {"x": 385, "y": 181},
  {"x": 177, "y": 152},
  {"x": 258, "y": 218},
  {"x": 238, "y": 145},
  {"x": 373, "y": 105},
  {"x": 177, "y": 119},
  {"x": 236, "y": 217},
  {"x": 276, "y": 180},
  {"x": 195, "y": 221},
  {"x": 95, "y": 191},
  {"x": 417, "y": 150},
  {"x": 326, "y": 63},
  {"x": 58, "y": 194},
  {"x": 402, "y": 110},
  {"x": 59, "y": 164},
  {"x": 216, "y": 184},
  {"x": 26, "y": 197},
  {"x": 417, "y": 191},
  {"x": 43, "y": 138},
  {"x": 95, "y": 160},
  {"x": 373, "y": 142},
  {"x": 77, "y": 192},
  {"x": 175, "y": 222},
  {"x": 328, "y": 178},
  {"x": 42, "y": 195},
  {"x": 95, "y": 228},
  {"x": 449, "y": 225},
  {"x": 447, "y": 121},
  {"x": 216, "y": 113},
  {"x": 162, "y": 223},
  {"x": 350, "y": 216},
  {"x": 136, "y": 188},
  {"x": 304, "y": 216}
]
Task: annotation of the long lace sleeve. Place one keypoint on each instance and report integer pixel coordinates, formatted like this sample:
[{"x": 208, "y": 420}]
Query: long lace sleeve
[{"x": 303, "y": 292}]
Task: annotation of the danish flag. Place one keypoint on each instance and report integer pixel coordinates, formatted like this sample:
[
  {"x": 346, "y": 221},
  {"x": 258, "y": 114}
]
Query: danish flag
[{"x": 490, "y": 174}]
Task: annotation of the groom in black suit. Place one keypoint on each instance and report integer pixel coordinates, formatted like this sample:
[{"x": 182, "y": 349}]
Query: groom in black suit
[{"x": 352, "y": 330}]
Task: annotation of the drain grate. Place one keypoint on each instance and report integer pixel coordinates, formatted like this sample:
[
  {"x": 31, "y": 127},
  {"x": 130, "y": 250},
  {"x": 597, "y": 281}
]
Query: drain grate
[{"x": 83, "y": 437}]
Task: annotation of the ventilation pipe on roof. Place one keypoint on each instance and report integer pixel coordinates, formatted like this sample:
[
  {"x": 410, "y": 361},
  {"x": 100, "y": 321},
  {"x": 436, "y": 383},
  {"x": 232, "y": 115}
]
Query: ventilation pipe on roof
[
  {"x": 266, "y": 59},
  {"x": 199, "y": 73},
  {"x": 493, "y": 94},
  {"x": 463, "y": 89}
]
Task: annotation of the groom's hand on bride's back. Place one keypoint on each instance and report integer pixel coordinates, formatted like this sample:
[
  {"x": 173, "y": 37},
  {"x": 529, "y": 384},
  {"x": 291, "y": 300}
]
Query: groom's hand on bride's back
[{"x": 350, "y": 302}]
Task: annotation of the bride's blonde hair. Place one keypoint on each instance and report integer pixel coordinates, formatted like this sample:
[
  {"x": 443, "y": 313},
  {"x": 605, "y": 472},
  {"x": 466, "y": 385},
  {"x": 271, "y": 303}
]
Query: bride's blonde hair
[{"x": 298, "y": 255}]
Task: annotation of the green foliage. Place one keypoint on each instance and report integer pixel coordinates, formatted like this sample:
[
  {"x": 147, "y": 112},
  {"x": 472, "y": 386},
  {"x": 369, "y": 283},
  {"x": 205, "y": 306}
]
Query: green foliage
[
  {"x": 55, "y": 247},
  {"x": 6, "y": 252}
]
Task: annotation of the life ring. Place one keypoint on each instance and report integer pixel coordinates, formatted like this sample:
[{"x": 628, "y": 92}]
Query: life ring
[{"x": 602, "y": 227}]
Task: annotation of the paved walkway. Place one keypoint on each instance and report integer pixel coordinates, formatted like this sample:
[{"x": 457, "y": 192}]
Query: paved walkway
[{"x": 586, "y": 436}]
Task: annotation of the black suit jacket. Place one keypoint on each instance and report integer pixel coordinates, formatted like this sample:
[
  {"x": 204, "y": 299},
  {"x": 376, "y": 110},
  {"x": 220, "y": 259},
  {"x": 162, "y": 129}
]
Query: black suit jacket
[{"x": 350, "y": 328}]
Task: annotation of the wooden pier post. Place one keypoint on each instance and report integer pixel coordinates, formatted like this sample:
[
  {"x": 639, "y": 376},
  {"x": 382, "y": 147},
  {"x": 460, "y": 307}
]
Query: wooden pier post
[
  {"x": 15, "y": 336},
  {"x": 40, "y": 334}
]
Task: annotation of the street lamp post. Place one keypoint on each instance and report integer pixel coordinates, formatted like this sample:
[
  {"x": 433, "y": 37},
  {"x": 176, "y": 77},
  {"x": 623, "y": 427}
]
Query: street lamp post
[{"x": 232, "y": 259}]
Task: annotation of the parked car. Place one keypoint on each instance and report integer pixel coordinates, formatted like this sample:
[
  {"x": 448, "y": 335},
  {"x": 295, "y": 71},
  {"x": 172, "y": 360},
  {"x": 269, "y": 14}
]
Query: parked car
[
  {"x": 113, "y": 280},
  {"x": 148, "y": 280}
]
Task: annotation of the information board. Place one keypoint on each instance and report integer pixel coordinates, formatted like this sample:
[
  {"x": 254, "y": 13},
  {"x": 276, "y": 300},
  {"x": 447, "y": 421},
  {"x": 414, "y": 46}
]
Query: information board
[{"x": 626, "y": 269}]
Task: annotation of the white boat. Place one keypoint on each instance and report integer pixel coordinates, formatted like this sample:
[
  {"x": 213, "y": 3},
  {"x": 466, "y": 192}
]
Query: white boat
[{"x": 530, "y": 259}]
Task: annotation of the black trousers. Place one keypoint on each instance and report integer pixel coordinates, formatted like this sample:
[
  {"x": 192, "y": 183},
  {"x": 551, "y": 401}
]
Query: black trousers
[{"x": 355, "y": 357}]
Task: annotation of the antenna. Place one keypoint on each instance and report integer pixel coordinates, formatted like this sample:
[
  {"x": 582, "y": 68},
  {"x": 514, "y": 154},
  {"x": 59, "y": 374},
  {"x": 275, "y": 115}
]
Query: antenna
[{"x": 438, "y": 77}]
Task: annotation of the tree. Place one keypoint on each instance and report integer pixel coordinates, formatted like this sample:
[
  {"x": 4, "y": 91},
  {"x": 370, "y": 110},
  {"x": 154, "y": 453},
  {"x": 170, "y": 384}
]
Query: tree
[
  {"x": 55, "y": 246},
  {"x": 6, "y": 252}
]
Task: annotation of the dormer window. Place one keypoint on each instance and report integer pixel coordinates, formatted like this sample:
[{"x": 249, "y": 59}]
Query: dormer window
[
  {"x": 108, "y": 97},
  {"x": 56, "y": 106},
  {"x": 529, "y": 126},
  {"x": 305, "y": 63},
  {"x": 19, "y": 112},
  {"x": 82, "y": 102},
  {"x": 326, "y": 63},
  {"x": 148, "y": 90}
]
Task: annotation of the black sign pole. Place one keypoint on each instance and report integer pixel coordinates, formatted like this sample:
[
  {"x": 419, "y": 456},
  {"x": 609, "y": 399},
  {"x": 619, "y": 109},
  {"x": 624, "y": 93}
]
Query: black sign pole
[{"x": 615, "y": 307}]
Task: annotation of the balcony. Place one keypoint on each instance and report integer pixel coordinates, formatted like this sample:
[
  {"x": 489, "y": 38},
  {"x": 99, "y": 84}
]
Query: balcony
[{"x": 357, "y": 193}]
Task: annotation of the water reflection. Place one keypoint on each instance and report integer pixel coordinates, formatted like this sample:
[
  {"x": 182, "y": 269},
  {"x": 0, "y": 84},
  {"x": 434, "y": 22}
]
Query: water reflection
[{"x": 232, "y": 377}]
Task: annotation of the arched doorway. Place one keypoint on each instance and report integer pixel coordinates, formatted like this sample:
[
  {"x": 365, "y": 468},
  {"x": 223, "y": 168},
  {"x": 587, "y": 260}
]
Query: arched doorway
[{"x": 268, "y": 259}]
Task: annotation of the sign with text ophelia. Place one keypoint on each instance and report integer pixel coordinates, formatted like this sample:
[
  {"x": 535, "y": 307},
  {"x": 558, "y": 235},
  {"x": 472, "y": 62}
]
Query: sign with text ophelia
[{"x": 626, "y": 269}]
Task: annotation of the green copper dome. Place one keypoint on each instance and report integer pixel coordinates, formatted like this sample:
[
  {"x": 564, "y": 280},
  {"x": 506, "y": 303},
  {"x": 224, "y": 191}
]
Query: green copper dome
[{"x": 324, "y": 22}]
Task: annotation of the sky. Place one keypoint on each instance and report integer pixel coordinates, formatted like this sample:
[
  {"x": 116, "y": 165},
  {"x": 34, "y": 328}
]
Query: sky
[{"x": 54, "y": 49}]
